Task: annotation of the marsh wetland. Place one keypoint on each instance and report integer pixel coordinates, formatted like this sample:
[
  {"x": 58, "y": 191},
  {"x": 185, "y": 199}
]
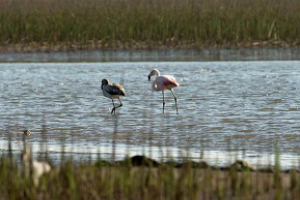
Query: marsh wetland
[{"x": 237, "y": 64}]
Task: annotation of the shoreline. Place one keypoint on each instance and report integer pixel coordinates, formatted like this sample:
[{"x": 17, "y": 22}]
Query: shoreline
[
  {"x": 35, "y": 47},
  {"x": 153, "y": 55}
]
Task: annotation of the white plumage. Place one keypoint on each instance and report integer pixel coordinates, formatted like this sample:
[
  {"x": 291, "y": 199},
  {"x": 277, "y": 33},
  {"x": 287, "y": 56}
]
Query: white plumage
[
  {"x": 32, "y": 167},
  {"x": 162, "y": 83}
]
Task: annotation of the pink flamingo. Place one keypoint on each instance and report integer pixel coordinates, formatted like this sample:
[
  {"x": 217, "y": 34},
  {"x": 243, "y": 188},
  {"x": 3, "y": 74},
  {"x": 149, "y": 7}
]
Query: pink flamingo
[{"x": 162, "y": 83}]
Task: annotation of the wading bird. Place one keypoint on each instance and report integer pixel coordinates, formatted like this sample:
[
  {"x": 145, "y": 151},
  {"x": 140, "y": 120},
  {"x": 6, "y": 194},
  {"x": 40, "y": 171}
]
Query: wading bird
[
  {"x": 26, "y": 132},
  {"x": 162, "y": 83},
  {"x": 112, "y": 91},
  {"x": 32, "y": 168}
]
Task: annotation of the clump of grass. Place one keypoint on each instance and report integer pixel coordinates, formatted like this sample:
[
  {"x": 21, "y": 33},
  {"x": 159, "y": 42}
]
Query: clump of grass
[{"x": 152, "y": 23}]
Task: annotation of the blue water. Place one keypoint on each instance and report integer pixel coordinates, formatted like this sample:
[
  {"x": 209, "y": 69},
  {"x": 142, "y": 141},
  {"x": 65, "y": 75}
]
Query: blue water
[{"x": 246, "y": 107}]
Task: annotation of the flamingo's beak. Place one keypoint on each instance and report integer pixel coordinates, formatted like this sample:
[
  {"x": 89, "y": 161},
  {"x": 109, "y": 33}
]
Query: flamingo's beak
[{"x": 149, "y": 78}]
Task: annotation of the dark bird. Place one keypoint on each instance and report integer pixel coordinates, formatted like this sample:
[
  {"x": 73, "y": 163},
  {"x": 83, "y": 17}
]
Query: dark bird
[{"x": 112, "y": 91}]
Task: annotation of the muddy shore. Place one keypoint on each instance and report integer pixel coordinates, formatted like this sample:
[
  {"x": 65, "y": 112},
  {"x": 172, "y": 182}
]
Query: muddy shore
[{"x": 134, "y": 45}]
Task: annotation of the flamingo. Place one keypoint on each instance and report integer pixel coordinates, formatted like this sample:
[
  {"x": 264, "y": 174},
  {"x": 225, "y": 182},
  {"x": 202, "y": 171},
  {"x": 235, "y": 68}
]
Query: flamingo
[
  {"x": 162, "y": 83},
  {"x": 112, "y": 91}
]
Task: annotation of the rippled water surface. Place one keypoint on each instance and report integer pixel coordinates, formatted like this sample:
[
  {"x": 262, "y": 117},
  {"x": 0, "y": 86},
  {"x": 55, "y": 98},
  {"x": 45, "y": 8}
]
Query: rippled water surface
[{"x": 245, "y": 107}]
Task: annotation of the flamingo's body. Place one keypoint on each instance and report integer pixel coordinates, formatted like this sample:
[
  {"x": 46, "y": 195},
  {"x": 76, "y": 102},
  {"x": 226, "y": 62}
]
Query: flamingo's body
[
  {"x": 162, "y": 83},
  {"x": 112, "y": 91}
]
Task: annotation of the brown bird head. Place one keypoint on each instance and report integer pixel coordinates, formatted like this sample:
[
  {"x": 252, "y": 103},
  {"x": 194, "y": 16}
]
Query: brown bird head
[
  {"x": 105, "y": 82},
  {"x": 27, "y": 132}
]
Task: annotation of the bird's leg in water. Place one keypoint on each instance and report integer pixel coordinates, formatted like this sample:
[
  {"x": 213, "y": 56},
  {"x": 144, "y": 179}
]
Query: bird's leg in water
[
  {"x": 114, "y": 108},
  {"x": 120, "y": 103},
  {"x": 175, "y": 98},
  {"x": 163, "y": 101}
]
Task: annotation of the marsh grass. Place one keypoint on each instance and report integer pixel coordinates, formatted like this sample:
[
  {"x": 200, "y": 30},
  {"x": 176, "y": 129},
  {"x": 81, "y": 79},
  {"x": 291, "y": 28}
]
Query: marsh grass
[
  {"x": 142, "y": 178},
  {"x": 146, "y": 24}
]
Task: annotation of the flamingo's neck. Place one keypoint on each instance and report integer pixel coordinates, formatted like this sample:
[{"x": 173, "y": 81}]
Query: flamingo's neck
[{"x": 154, "y": 86}]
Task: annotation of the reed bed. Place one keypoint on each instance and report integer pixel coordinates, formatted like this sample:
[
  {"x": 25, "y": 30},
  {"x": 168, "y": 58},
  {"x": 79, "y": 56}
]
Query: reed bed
[
  {"x": 124, "y": 180},
  {"x": 141, "y": 178},
  {"x": 138, "y": 177},
  {"x": 149, "y": 24}
]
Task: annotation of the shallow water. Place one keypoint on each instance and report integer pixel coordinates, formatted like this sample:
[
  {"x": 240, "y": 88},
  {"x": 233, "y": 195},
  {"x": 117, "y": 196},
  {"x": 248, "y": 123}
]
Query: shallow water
[
  {"x": 174, "y": 55},
  {"x": 245, "y": 108}
]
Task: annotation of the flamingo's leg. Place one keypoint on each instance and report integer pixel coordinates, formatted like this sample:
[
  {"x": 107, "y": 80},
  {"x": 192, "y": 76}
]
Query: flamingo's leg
[
  {"x": 117, "y": 106},
  {"x": 175, "y": 98},
  {"x": 163, "y": 101},
  {"x": 114, "y": 108},
  {"x": 120, "y": 103}
]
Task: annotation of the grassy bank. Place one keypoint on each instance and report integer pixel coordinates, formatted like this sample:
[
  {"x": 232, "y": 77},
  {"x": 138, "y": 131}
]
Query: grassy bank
[
  {"x": 147, "y": 180},
  {"x": 123, "y": 24}
]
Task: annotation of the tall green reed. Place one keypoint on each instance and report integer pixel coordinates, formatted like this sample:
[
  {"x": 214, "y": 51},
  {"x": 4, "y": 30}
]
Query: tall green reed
[{"x": 153, "y": 22}]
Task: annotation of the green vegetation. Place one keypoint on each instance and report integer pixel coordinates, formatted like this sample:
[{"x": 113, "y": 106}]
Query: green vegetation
[
  {"x": 141, "y": 178},
  {"x": 151, "y": 23}
]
